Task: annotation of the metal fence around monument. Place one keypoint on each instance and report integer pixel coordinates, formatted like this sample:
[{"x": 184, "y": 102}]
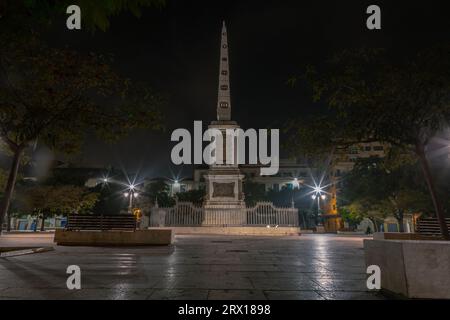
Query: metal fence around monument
[{"x": 186, "y": 214}]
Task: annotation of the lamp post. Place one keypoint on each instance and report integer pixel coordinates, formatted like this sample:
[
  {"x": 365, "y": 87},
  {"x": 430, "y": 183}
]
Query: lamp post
[
  {"x": 318, "y": 195},
  {"x": 131, "y": 193}
]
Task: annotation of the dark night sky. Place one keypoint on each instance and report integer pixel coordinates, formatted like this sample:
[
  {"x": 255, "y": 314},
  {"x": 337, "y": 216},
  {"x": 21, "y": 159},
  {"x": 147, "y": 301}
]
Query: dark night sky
[{"x": 176, "y": 50}]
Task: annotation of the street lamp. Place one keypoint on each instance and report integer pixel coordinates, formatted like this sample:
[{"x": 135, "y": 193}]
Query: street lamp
[
  {"x": 131, "y": 193},
  {"x": 317, "y": 195}
]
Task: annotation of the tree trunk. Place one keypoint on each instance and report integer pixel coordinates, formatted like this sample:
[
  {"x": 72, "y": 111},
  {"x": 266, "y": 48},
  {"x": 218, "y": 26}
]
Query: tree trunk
[
  {"x": 374, "y": 222},
  {"x": 399, "y": 217},
  {"x": 9, "y": 189},
  {"x": 434, "y": 196},
  {"x": 43, "y": 223},
  {"x": 8, "y": 219}
]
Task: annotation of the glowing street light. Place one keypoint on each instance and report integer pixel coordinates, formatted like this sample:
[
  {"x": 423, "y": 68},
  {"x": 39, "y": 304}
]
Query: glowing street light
[
  {"x": 131, "y": 193},
  {"x": 318, "y": 194}
]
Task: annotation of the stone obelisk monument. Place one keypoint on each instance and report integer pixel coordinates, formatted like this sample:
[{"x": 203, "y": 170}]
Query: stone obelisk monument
[{"x": 224, "y": 180}]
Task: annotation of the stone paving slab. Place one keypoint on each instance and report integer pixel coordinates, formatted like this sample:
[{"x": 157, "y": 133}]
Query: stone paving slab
[{"x": 312, "y": 267}]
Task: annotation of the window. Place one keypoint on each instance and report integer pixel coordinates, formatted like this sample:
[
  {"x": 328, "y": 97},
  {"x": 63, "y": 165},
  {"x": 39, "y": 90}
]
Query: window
[
  {"x": 224, "y": 72},
  {"x": 224, "y": 59},
  {"x": 224, "y": 87},
  {"x": 224, "y": 46},
  {"x": 378, "y": 148},
  {"x": 223, "y": 104},
  {"x": 368, "y": 148}
]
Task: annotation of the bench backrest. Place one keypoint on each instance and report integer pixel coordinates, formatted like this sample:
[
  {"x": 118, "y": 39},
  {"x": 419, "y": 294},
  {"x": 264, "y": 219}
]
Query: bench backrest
[
  {"x": 101, "y": 222},
  {"x": 430, "y": 226}
]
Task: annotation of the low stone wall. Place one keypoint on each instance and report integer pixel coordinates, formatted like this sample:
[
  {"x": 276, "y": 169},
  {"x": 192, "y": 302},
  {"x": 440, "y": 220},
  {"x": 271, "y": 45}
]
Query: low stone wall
[
  {"x": 244, "y": 231},
  {"x": 158, "y": 236},
  {"x": 414, "y": 269},
  {"x": 401, "y": 236},
  {"x": 352, "y": 233}
]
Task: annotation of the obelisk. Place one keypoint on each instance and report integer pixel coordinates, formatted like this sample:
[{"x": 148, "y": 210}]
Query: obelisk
[{"x": 224, "y": 180}]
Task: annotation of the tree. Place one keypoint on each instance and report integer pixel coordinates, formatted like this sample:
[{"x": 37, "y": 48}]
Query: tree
[
  {"x": 110, "y": 199},
  {"x": 254, "y": 192},
  {"x": 195, "y": 196},
  {"x": 47, "y": 201},
  {"x": 3, "y": 179},
  {"x": 378, "y": 187},
  {"x": 376, "y": 95},
  {"x": 57, "y": 96},
  {"x": 351, "y": 216},
  {"x": 159, "y": 191},
  {"x": 95, "y": 14},
  {"x": 364, "y": 207}
]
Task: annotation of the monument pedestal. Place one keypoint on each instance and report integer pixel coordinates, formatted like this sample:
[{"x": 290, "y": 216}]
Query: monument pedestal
[{"x": 224, "y": 203}]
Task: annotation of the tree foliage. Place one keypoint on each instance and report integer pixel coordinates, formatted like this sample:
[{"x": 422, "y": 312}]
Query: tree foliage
[
  {"x": 52, "y": 200},
  {"x": 377, "y": 95},
  {"x": 195, "y": 196},
  {"x": 159, "y": 191},
  {"x": 95, "y": 14},
  {"x": 377, "y": 188},
  {"x": 59, "y": 97},
  {"x": 254, "y": 192}
]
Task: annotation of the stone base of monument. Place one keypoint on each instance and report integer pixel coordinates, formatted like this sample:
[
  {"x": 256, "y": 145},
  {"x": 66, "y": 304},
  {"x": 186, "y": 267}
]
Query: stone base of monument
[
  {"x": 413, "y": 269},
  {"x": 224, "y": 215},
  {"x": 159, "y": 236},
  {"x": 240, "y": 231}
]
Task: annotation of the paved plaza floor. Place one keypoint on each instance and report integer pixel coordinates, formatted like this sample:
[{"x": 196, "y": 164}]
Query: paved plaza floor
[{"x": 195, "y": 267}]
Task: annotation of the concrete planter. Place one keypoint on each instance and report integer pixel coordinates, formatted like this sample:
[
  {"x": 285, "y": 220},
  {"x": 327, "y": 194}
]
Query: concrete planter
[
  {"x": 114, "y": 238},
  {"x": 401, "y": 236},
  {"x": 414, "y": 269}
]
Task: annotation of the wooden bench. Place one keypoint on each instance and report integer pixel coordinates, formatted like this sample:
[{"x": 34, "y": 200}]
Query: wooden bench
[
  {"x": 430, "y": 226},
  {"x": 78, "y": 222}
]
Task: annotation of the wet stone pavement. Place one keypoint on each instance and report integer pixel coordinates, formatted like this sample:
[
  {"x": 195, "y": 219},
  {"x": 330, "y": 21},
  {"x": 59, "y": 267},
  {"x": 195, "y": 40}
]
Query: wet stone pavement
[{"x": 309, "y": 267}]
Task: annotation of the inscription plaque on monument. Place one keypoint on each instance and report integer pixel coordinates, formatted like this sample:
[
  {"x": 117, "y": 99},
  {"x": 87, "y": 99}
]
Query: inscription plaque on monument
[{"x": 223, "y": 190}]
